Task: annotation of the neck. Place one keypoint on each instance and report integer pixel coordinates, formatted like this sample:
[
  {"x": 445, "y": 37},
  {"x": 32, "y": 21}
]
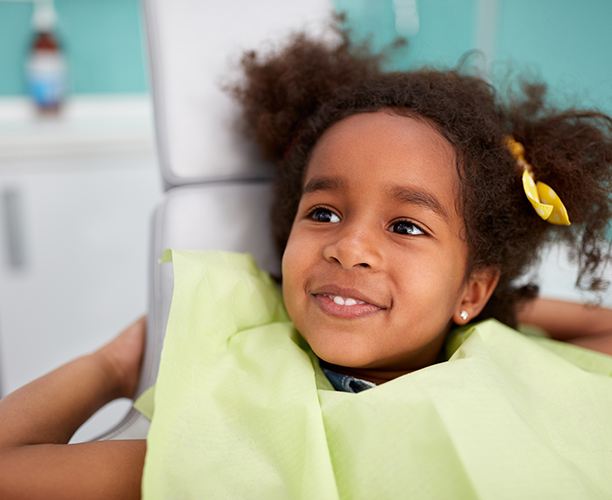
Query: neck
[
  {"x": 375, "y": 376},
  {"x": 381, "y": 375}
]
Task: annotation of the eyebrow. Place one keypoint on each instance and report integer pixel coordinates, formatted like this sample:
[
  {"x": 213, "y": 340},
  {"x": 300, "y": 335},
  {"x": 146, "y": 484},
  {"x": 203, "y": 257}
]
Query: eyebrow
[
  {"x": 323, "y": 184},
  {"x": 407, "y": 194}
]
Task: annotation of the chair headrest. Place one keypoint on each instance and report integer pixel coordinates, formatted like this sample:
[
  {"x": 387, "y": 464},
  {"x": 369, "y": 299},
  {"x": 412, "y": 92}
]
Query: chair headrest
[{"x": 194, "y": 49}]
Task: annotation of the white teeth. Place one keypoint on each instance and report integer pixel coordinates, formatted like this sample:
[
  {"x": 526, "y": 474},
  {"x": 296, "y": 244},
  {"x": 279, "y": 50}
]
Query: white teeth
[{"x": 349, "y": 301}]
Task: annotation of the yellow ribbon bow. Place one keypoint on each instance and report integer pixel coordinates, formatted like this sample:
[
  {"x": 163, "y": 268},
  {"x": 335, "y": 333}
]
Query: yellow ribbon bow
[{"x": 542, "y": 197}]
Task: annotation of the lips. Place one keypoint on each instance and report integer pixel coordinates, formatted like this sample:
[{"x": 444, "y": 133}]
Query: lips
[{"x": 345, "y": 302}]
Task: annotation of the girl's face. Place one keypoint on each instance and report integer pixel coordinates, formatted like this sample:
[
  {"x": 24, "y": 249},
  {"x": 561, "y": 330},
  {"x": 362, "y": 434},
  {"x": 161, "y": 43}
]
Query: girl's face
[{"x": 374, "y": 269}]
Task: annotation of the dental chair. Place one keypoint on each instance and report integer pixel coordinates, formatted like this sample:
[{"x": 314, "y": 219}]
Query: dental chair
[{"x": 217, "y": 190}]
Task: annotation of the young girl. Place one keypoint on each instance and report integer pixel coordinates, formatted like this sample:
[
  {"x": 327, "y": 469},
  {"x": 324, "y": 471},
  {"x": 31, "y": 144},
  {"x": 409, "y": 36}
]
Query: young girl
[{"x": 404, "y": 207}]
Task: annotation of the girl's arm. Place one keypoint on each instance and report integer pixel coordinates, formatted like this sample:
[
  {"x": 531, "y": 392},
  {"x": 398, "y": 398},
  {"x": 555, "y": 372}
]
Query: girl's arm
[
  {"x": 586, "y": 326},
  {"x": 37, "y": 421}
]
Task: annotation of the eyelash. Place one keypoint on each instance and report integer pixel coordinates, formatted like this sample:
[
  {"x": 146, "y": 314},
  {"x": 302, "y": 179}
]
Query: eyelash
[
  {"x": 315, "y": 210},
  {"x": 319, "y": 210},
  {"x": 410, "y": 223}
]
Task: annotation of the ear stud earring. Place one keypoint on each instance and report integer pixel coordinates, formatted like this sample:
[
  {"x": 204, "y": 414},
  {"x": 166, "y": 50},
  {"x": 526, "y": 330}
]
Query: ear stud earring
[{"x": 464, "y": 315}]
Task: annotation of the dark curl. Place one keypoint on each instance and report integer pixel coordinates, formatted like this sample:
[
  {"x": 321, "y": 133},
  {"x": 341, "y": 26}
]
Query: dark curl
[{"x": 291, "y": 96}]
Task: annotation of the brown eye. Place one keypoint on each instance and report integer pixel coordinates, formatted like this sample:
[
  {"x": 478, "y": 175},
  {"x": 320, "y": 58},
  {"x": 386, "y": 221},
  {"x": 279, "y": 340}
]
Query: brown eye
[
  {"x": 406, "y": 227},
  {"x": 321, "y": 214}
]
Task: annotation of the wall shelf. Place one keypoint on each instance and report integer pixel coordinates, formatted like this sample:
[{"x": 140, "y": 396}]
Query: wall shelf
[{"x": 87, "y": 125}]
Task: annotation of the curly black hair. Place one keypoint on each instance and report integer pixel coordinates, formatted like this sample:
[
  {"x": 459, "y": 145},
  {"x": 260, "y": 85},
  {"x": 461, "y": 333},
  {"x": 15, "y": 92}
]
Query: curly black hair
[{"x": 290, "y": 96}]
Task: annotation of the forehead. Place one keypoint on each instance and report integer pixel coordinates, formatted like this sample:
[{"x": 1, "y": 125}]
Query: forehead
[{"x": 384, "y": 149}]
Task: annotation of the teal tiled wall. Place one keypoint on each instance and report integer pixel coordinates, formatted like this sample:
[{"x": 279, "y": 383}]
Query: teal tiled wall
[
  {"x": 445, "y": 33},
  {"x": 566, "y": 43},
  {"x": 562, "y": 42},
  {"x": 102, "y": 40}
]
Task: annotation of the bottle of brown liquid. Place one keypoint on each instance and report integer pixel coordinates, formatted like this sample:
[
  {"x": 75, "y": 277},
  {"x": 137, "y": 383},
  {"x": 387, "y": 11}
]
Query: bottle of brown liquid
[{"x": 46, "y": 66}]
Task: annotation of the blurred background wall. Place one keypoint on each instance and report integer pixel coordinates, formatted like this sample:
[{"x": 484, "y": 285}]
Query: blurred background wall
[
  {"x": 562, "y": 42},
  {"x": 102, "y": 40}
]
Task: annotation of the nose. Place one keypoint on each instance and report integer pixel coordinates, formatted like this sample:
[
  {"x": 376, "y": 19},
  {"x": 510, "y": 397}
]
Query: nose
[{"x": 354, "y": 247}]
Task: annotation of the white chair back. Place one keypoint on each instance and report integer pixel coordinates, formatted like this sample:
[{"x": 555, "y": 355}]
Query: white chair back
[{"x": 217, "y": 189}]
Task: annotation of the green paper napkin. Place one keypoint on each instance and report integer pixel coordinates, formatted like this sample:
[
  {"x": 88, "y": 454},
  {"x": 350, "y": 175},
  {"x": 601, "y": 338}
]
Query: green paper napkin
[{"x": 242, "y": 409}]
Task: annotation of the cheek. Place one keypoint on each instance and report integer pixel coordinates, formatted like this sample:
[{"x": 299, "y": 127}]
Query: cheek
[
  {"x": 432, "y": 282},
  {"x": 290, "y": 260},
  {"x": 292, "y": 269}
]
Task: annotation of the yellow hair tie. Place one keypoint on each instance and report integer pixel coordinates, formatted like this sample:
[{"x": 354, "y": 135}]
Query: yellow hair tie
[{"x": 542, "y": 197}]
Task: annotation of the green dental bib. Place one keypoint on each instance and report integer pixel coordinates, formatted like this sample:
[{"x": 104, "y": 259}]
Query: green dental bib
[{"x": 243, "y": 411}]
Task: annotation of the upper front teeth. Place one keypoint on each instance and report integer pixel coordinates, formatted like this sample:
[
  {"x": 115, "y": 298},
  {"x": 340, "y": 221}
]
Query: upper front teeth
[{"x": 348, "y": 301}]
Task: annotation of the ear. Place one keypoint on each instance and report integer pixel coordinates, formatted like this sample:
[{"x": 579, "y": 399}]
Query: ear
[{"x": 476, "y": 292}]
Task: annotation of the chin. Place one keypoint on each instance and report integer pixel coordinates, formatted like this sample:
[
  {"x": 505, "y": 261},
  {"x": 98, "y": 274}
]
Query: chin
[{"x": 342, "y": 355}]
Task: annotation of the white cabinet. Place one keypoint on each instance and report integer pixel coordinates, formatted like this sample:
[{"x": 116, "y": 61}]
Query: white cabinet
[{"x": 76, "y": 197}]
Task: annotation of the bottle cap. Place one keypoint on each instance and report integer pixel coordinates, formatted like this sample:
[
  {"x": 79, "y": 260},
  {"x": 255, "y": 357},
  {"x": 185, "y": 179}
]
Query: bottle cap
[{"x": 44, "y": 17}]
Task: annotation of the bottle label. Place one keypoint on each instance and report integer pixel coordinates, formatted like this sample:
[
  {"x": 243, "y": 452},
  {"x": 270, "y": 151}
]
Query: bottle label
[{"x": 47, "y": 78}]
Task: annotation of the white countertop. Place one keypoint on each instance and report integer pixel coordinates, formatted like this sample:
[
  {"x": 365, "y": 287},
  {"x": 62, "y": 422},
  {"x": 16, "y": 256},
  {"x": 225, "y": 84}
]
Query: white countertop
[{"x": 88, "y": 124}]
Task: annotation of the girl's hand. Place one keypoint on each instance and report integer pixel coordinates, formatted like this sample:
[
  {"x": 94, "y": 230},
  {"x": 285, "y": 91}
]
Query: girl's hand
[
  {"x": 122, "y": 357},
  {"x": 586, "y": 326},
  {"x": 39, "y": 419}
]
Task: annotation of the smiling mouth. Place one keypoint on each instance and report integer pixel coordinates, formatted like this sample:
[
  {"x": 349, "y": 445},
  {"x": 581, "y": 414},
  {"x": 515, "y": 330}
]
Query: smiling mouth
[{"x": 344, "y": 304}]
